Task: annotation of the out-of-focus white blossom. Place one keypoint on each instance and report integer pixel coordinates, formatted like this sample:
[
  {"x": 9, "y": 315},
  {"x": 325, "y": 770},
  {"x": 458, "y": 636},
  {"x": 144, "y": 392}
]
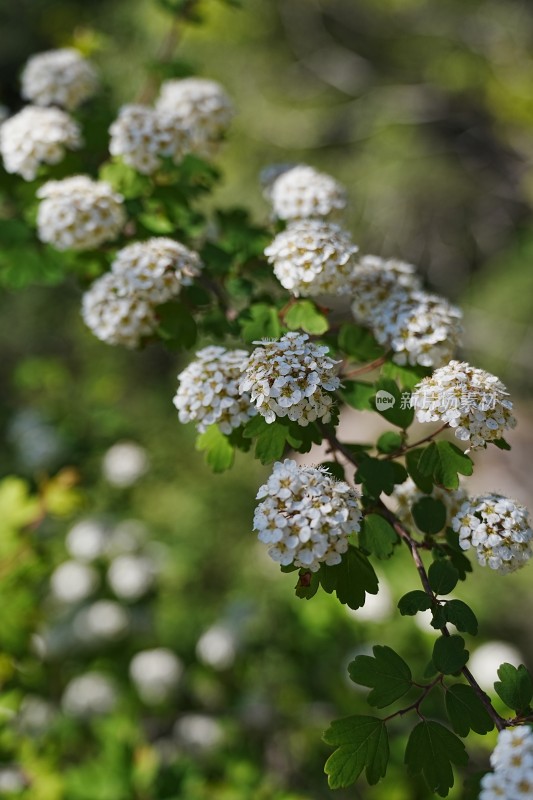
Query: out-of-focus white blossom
[
  {"x": 312, "y": 257},
  {"x": 217, "y": 647},
  {"x": 512, "y": 761},
  {"x": 208, "y": 391},
  {"x": 306, "y": 516},
  {"x": 157, "y": 268},
  {"x": 419, "y": 328},
  {"x": 290, "y": 378},
  {"x": 142, "y": 136},
  {"x": 37, "y": 136},
  {"x": 131, "y": 576},
  {"x": 155, "y": 673},
  {"x": 124, "y": 463},
  {"x": 35, "y": 715},
  {"x": 89, "y": 695},
  {"x": 58, "y": 78},
  {"x": 115, "y": 313},
  {"x": 487, "y": 659},
  {"x": 198, "y": 733},
  {"x": 203, "y": 109},
  {"x": 87, "y": 539},
  {"x": 407, "y": 494},
  {"x": 12, "y": 780},
  {"x": 498, "y": 529},
  {"x": 78, "y": 213},
  {"x": 471, "y": 401},
  {"x": 302, "y": 193},
  {"x": 103, "y": 620},
  {"x": 374, "y": 280},
  {"x": 72, "y": 582}
]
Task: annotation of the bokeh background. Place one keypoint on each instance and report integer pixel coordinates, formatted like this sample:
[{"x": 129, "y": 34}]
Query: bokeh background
[{"x": 424, "y": 111}]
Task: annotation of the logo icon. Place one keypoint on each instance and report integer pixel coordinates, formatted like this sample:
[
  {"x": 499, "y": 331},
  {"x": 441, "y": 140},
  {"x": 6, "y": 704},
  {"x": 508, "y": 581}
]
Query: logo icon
[{"x": 384, "y": 400}]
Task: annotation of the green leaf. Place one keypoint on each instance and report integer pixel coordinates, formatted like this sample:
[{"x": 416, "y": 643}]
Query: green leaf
[
  {"x": 125, "y": 179},
  {"x": 359, "y": 343},
  {"x": 514, "y": 687},
  {"x": 176, "y": 325},
  {"x": 438, "y": 617},
  {"x": 424, "y": 482},
  {"x": 377, "y": 536},
  {"x": 305, "y": 316},
  {"x": 376, "y": 476},
  {"x": 308, "y": 584},
  {"x": 429, "y": 515},
  {"x": 335, "y": 469},
  {"x": 443, "y": 461},
  {"x": 392, "y": 403},
  {"x": 461, "y": 615},
  {"x": 156, "y": 222},
  {"x": 456, "y": 555},
  {"x": 219, "y": 453},
  {"x": 442, "y": 576},
  {"x": 466, "y": 711},
  {"x": 501, "y": 444},
  {"x": 413, "y": 602},
  {"x": 362, "y": 742},
  {"x": 351, "y": 580},
  {"x": 261, "y": 322},
  {"x": 271, "y": 438},
  {"x": 432, "y": 749},
  {"x": 406, "y": 377},
  {"x": 389, "y": 442},
  {"x": 358, "y": 394},
  {"x": 386, "y": 674},
  {"x": 449, "y": 654}
]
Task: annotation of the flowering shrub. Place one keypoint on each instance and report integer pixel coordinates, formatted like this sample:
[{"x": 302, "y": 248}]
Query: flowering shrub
[{"x": 288, "y": 319}]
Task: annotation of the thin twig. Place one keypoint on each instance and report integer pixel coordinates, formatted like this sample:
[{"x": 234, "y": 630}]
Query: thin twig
[
  {"x": 372, "y": 365},
  {"x": 416, "y": 705},
  {"x": 406, "y": 447}
]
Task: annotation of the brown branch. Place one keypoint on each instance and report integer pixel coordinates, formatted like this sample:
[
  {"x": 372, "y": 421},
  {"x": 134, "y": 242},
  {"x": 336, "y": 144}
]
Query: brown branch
[
  {"x": 416, "y": 705},
  {"x": 372, "y": 365},
  {"x": 407, "y": 447}
]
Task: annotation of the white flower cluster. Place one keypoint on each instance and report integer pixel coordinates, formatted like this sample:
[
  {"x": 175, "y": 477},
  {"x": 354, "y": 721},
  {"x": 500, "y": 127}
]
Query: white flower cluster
[
  {"x": 290, "y": 378},
  {"x": 37, "y": 136},
  {"x": 202, "y": 106},
  {"x": 420, "y": 328},
  {"x": 302, "y": 192},
  {"x": 470, "y": 400},
  {"x": 116, "y": 314},
  {"x": 306, "y": 516},
  {"x": 512, "y": 761},
  {"x": 374, "y": 280},
  {"x": 78, "y": 213},
  {"x": 312, "y": 257},
  {"x": 119, "y": 307},
  {"x": 88, "y": 695},
  {"x": 142, "y": 136},
  {"x": 498, "y": 529},
  {"x": 208, "y": 393},
  {"x": 407, "y": 494},
  {"x": 58, "y": 78}
]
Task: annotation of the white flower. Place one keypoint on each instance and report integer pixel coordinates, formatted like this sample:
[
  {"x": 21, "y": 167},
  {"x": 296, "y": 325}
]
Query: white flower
[
  {"x": 512, "y": 761},
  {"x": 104, "y": 620},
  {"x": 87, "y": 540},
  {"x": 302, "y": 192},
  {"x": 12, "y": 780},
  {"x": 37, "y": 136},
  {"x": 130, "y": 576},
  {"x": 198, "y": 733},
  {"x": 202, "y": 107},
  {"x": 473, "y": 402},
  {"x": 58, "y": 77},
  {"x": 155, "y": 673},
  {"x": 217, "y": 647},
  {"x": 312, "y": 257},
  {"x": 291, "y": 378},
  {"x": 91, "y": 694},
  {"x": 78, "y": 213},
  {"x": 498, "y": 529},
  {"x": 142, "y": 136},
  {"x": 115, "y": 313},
  {"x": 124, "y": 463},
  {"x": 208, "y": 393},
  {"x": 71, "y": 581},
  {"x": 374, "y": 280},
  {"x": 419, "y": 328},
  {"x": 305, "y": 516},
  {"x": 407, "y": 494},
  {"x": 157, "y": 268}
]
